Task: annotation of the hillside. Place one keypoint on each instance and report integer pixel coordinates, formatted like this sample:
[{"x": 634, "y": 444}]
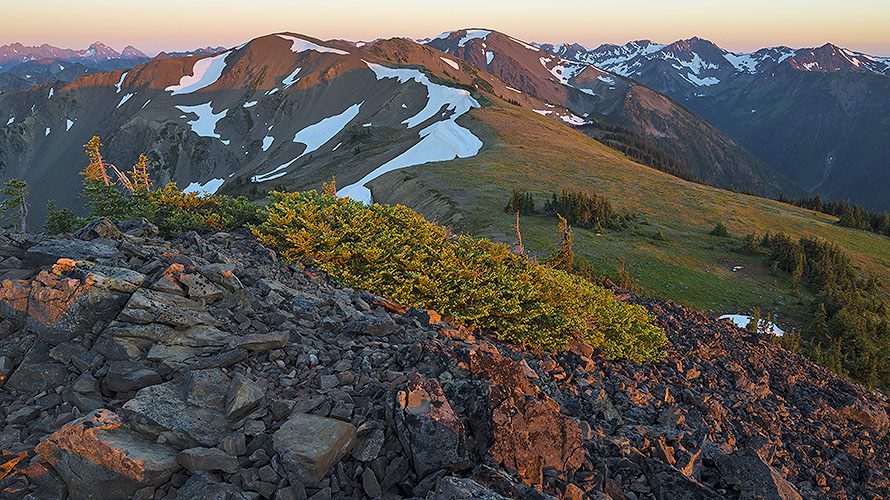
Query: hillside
[
  {"x": 817, "y": 116},
  {"x": 202, "y": 367},
  {"x": 538, "y": 155},
  {"x": 592, "y": 92}
]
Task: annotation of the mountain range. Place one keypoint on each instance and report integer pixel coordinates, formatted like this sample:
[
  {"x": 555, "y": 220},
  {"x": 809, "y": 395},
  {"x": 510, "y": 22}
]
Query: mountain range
[{"x": 818, "y": 116}]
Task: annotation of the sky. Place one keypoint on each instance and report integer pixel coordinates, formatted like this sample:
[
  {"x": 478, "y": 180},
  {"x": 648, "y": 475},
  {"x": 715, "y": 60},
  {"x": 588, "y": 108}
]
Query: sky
[{"x": 187, "y": 24}]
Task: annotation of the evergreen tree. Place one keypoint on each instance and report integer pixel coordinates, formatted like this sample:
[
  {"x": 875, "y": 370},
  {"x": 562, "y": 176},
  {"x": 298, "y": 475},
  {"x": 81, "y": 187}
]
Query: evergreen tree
[
  {"x": 15, "y": 205},
  {"x": 563, "y": 257}
]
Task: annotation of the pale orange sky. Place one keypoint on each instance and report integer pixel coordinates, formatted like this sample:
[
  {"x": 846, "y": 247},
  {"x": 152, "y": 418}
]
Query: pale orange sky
[{"x": 181, "y": 25}]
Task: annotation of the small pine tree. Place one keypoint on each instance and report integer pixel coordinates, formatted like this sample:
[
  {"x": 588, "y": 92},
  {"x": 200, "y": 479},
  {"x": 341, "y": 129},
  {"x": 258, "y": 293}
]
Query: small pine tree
[
  {"x": 754, "y": 321},
  {"x": 15, "y": 205},
  {"x": 59, "y": 221},
  {"x": 564, "y": 256},
  {"x": 659, "y": 236},
  {"x": 750, "y": 244},
  {"x": 719, "y": 230}
]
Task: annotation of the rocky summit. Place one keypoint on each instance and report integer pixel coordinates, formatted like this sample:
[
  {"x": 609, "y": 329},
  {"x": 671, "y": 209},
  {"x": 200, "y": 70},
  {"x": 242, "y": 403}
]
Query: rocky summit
[{"x": 203, "y": 367}]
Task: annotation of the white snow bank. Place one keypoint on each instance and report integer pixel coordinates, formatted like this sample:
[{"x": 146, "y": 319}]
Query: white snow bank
[
  {"x": 250, "y": 104},
  {"x": 45, "y": 133},
  {"x": 457, "y": 100},
  {"x": 450, "y": 62},
  {"x": 300, "y": 45},
  {"x": 51, "y": 92},
  {"x": 68, "y": 124},
  {"x": 573, "y": 119},
  {"x": 608, "y": 79},
  {"x": 765, "y": 326},
  {"x": 205, "y": 124},
  {"x": 442, "y": 141},
  {"x": 205, "y": 73},
  {"x": 118, "y": 86},
  {"x": 543, "y": 112},
  {"x": 489, "y": 56},
  {"x": 208, "y": 187},
  {"x": 529, "y": 47},
  {"x": 471, "y": 34},
  {"x": 124, "y": 99},
  {"x": 314, "y": 136},
  {"x": 267, "y": 142},
  {"x": 11, "y": 119},
  {"x": 706, "y": 81},
  {"x": 514, "y": 90},
  {"x": 291, "y": 78}
]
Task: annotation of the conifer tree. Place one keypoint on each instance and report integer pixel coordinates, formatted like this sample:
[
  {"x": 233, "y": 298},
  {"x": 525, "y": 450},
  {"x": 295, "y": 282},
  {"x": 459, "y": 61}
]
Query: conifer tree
[{"x": 15, "y": 205}]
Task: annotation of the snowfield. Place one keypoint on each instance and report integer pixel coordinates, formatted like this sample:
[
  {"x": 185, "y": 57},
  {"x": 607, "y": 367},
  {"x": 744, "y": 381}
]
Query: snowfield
[
  {"x": 314, "y": 136},
  {"x": 450, "y": 62},
  {"x": 205, "y": 124},
  {"x": 208, "y": 187},
  {"x": 300, "y": 45},
  {"x": 441, "y": 141},
  {"x": 250, "y": 104},
  {"x": 267, "y": 142},
  {"x": 473, "y": 34},
  {"x": 205, "y": 73},
  {"x": 291, "y": 78},
  {"x": 742, "y": 321},
  {"x": 124, "y": 99},
  {"x": 118, "y": 86}
]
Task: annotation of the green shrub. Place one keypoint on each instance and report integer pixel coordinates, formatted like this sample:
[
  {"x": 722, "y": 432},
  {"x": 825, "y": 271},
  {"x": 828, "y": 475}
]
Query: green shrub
[
  {"x": 58, "y": 221},
  {"x": 719, "y": 230},
  {"x": 394, "y": 252}
]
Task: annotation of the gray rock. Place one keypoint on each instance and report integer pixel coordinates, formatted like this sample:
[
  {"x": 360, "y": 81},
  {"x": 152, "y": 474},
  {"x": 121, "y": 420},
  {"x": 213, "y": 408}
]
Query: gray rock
[
  {"x": 149, "y": 306},
  {"x": 455, "y": 488},
  {"x": 754, "y": 477},
  {"x": 369, "y": 441},
  {"x": 428, "y": 428},
  {"x": 309, "y": 445},
  {"x": 139, "y": 227},
  {"x": 207, "y": 486},
  {"x": 242, "y": 398},
  {"x": 48, "y": 251},
  {"x": 200, "y": 288},
  {"x": 126, "y": 376},
  {"x": 188, "y": 411},
  {"x": 97, "y": 458},
  {"x": 373, "y": 325},
  {"x": 207, "y": 459},
  {"x": 263, "y": 341},
  {"x": 36, "y": 372},
  {"x": 101, "y": 228}
]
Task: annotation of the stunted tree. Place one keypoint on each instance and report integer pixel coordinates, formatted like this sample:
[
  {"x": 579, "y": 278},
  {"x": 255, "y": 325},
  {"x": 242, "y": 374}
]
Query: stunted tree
[
  {"x": 564, "y": 256},
  {"x": 15, "y": 205}
]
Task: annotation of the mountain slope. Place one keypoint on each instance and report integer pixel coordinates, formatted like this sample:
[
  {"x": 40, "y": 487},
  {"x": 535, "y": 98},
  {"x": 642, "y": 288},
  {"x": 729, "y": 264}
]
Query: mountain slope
[
  {"x": 817, "y": 116},
  {"x": 281, "y": 111},
  {"x": 590, "y": 91}
]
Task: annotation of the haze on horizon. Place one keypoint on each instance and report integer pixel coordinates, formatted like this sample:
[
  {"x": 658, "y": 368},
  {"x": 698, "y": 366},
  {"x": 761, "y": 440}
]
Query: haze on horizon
[{"x": 169, "y": 25}]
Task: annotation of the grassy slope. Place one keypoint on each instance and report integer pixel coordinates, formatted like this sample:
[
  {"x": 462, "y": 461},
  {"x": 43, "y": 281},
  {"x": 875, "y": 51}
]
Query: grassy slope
[{"x": 528, "y": 151}]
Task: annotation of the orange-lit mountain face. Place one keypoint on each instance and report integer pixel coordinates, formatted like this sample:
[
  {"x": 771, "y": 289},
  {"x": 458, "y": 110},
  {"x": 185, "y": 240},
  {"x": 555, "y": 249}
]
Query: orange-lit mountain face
[{"x": 594, "y": 92}]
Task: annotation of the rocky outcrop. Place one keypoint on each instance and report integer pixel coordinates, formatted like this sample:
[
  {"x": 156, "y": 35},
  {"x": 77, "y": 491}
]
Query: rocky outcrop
[{"x": 221, "y": 373}]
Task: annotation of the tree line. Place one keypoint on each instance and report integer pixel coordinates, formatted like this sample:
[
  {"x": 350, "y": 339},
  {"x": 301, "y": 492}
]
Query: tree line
[{"x": 850, "y": 214}]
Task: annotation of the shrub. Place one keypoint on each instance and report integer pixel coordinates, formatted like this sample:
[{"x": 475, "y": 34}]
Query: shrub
[
  {"x": 719, "y": 230},
  {"x": 393, "y": 251},
  {"x": 59, "y": 221}
]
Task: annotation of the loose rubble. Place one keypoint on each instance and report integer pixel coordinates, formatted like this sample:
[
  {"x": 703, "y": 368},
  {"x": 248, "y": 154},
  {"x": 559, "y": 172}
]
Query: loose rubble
[{"x": 202, "y": 367}]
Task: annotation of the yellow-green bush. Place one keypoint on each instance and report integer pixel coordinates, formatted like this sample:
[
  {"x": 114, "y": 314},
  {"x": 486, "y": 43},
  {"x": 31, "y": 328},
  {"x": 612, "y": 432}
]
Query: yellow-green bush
[{"x": 394, "y": 252}]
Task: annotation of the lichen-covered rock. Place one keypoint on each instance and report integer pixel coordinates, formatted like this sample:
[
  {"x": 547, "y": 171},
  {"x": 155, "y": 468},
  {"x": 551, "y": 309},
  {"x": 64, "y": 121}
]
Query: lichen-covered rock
[
  {"x": 310, "y": 445},
  {"x": 99, "y": 459},
  {"x": 428, "y": 427}
]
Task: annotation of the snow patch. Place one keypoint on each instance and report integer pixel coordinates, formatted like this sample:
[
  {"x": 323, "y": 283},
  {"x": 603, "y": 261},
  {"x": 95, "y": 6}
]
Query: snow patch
[
  {"x": 765, "y": 326},
  {"x": 205, "y": 124},
  {"x": 314, "y": 136},
  {"x": 68, "y": 124},
  {"x": 520, "y": 42},
  {"x": 514, "y": 90},
  {"x": 11, "y": 119},
  {"x": 124, "y": 99},
  {"x": 701, "y": 82},
  {"x": 270, "y": 92},
  {"x": 146, "y": 104},
  {"x": 267, "y": 142},
  {"x": 291, "y": 78},
  {"x": 52, "y": 91},
  {"x": 250, "y": 104},
  {"x": 45, "y": 133},
  {"x": 208, "y": 187},
  {"x": 300, "y": 45},
  {"x": 205, "y": 73},
  {"x": 742, "y": 62},
  {"x": 543, "y": 112},
  {"x": 736, "y": 269},
  {"x": 607, "y": 79},
  {"x": 118, "y": 86},
  {"x": 573, "y": 119},
  {"x": 450, "y": 62},
  {"x": 472, "y": 34},
  {"x": 586, "y": 91},
  {"x": 489, "y": 56}
]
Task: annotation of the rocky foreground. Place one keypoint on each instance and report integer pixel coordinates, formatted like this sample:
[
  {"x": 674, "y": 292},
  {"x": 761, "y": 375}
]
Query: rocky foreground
[{"x": 202, "y": 367}]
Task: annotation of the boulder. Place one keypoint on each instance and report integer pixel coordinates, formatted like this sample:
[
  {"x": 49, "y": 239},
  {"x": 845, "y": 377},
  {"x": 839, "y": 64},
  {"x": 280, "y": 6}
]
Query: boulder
[
  {"x": 242, "y": 398},
  {"x": 50, "y": 250},
  {"x": 868, "y": 415},
  {"x": 37, "y": 372},
  {"x": 428, "y": 428},
  {"x": 97, "y": 458},
  {"x": 126, "y": 376},
  {"x": 668, "y": 483},
  {"x": 372, "y": 325},
  {"x": 309, "y": 445},
  {"x": 263, "y": 341},
  {"x": 139, "y": 227},
  {"x": 101, "y": 228},
  {"x": 754, "y": 477},
  {"x": 150, "y": 306},
  {"x": 207, "y": 459},
  {"x": 207, "y": 486},
  {"x": 187, "y": 411},
  {"x": 455, "y": 488}
]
